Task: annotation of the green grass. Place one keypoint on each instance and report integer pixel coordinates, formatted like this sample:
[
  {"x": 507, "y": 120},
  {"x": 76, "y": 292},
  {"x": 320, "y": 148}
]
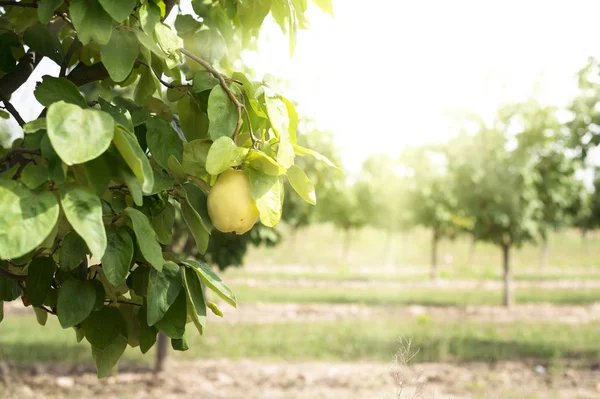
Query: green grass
[
  {"x": 387, "y": 296},
  {"x": 22, "y": 341}
]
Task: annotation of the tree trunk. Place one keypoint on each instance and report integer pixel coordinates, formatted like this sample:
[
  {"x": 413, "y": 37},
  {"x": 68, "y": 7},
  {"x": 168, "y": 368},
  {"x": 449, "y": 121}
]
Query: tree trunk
[
  {"x": 162, "y": 347},
  {"x": 508, "y": 293},
  {"x": 472, "y": 250},
  {"x": 544, "y": 254},
  {"x": 434, "y": 256},
  {"x": 389, "y": 248}
]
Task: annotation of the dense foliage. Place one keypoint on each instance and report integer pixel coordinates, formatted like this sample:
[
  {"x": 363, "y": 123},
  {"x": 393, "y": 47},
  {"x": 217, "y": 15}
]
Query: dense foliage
[{"x": 137, "y": 126}]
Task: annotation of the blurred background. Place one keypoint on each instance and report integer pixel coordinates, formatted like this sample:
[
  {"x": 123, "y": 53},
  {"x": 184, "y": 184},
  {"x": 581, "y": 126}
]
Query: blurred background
[{"x": 454, "y": 251}]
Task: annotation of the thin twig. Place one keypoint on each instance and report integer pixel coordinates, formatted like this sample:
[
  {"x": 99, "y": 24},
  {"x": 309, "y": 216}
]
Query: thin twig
[
  {"x": 4, "y": 3},
  {"x": 124, "y": 302},
  {"x": 12, "y": 276},
  {"x": 15, "y": 151},
  {"x": 48, "y": 310},
  {"x": 65, "y": 64},
  {"x": 223, "y": 84},
  {"x": 9, "y": 107},
  {"x": 166, "y": 84}
]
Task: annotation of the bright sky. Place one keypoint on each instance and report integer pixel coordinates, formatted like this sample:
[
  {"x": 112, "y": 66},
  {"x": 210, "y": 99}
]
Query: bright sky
[{"x": 385, "y": 73}]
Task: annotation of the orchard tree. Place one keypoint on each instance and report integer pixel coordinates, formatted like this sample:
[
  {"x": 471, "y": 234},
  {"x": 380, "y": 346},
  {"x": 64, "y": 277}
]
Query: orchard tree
[{"x": 143, "y": 120}]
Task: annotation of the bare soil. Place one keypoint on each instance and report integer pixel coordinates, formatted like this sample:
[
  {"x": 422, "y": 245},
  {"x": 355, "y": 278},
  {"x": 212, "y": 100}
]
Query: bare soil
[{"x": 220, "y": 379}]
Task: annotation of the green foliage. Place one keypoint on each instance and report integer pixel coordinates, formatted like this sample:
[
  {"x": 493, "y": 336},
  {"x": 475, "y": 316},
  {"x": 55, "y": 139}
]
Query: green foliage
[{"x": 136, "y": 128}]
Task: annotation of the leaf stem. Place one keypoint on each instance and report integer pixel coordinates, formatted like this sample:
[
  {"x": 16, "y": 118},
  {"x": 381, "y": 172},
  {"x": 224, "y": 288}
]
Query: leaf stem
[{"x": 10, "y": 108}]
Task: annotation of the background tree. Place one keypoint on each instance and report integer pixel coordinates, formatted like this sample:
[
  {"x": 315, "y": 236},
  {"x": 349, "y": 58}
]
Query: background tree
[{"x": 142, "y": 116}]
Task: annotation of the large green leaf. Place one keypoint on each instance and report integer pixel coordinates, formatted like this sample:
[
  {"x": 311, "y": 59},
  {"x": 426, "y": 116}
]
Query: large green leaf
[
  {"x": 262, "y": 162},
  {"x": 78, "y": 135},
  {"x": 135, "y": 157},
  {"x": 196, "y": 304},
  {"x": 194, "y": 157},
  {"x": 129, "y": 316},
  {"x": 280, "y": 122},
  {"x": 176, "y": 170},
  {"x": 163, "y": 141},
  {"x": 163, "y": 289},
  {"x": 222, "y": 114},
  {"x": 108, "y": 357},
  {"x": 27, "y": 218},
  {"x": 72, "y": 251},
  {"x": 56, "y": 167},
  {"x": 146, "y": 238},
  {"x": 224, "y": 154},
  {"x": 120, "y": 53},
  {"x": 199, "y": 201},
  {"x": 302, "y": 151},
  {"x": 118, "y": 255},
  {"x": 46, "y": 9},
  {"x": 9, "y": 289},
  {"x": 40, "y": 315},
  {"x": 163, "y": 224},
  {"x": 302, "y": 184},
  {"x": 34, "y": 176},
  {"x": 40, "y": 40},
  {"x": 39, "y": 279},
  {"x": 91, "y": 21},
  {"x": 194, "y": 222},
  {"x": 120, "y": 114},
  {"x": 147, "y": 333},
  {"x": 98, "y": 173},
  {"x": 102, "y": 327},
  {"x": 149, "y": 17},
  {"x": 203, "y": 80},
  {"x": 76, "y": 300},
  {"x": 119, "y": 10},
  {"x": 267, "y": 191},
  {"x": 194, "y": 122},
  {"x": 173, "y": 322},
  {"x": 253, "y": 13},
  {"x": 52, "y": 90},
  {"x": 212, "y": 281},
  {"x": 167, "y": 39},
  {"x": 325, "y": 5},
  {"x": 83, "y": 210}
]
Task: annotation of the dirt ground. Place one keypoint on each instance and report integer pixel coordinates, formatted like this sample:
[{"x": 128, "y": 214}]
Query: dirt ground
[{"x": 220, "y": 379}]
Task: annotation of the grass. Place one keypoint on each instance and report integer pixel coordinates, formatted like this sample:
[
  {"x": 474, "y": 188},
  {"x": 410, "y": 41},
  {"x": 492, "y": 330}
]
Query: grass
[
  {"x": 322, "y": 245},
  {"x": 386, "y": 296},
  {"x": 23, "y": 342}
]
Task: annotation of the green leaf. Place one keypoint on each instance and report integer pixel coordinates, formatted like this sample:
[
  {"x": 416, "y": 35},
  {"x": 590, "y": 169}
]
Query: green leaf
[
  {"x": 301, "y": 151},
  {"x": 118, "y": 255},
  {"x": 267, "y": 191},
  {"x": 9, "y": 42},
  {"x": 198, "y": 200},
  {"x": 119, "y": 10},
  {"x": 138, "y": 113},
  {"x": 167, "y": 39},
  {"x": 34, "y": 176},
  {"x": 135, "y": 157},
  {"x": 1, "y": 311},
  {"x": 120, "y": 114},
  {"x": 212, "y": 281},
  {"x": 78, "y": 135},
  {"x": 120, "y": 53},
  {"x": 325, "y": 5},
  {"x": 53, "y": 89},
  {"x": 280, "y": 122},
  {"x": 76, "y": 300},
  {"x": 195, "y": 298},
  {"x": 185, "y": 23},
  {"x": 46, "y": 8},
  {"x": 56, "y": 167},
  {"x": 260, "y": 161},
  {"x": 163, "y": 289},
  {"x": 39, "y": 279},
  {"x": 100, "y": 293},
  {"x": 138, "y": 280},
  {"x": 214, "y": 308},
  {"x": 195, "y": 154},
  {"x": 108, "y": 357},
  {"x": 98, "y": 173},
  {"x": 39, "y": 39},
  {"x": 162, "y": 182},
  {"x": 302, "y": 184},
  {"x": 147, "y": 333},
  {"x": 91, "y": 21},
  {"x": 163, "y": 141},
  {"x": 163, "y": 224},
  {"x": 149, "y": 17},
  {"x": 224, "y": 154},
  {"x": 194, "y": 122},
  {"x": 129, "y": 315},
  {"x": 27, "y": 218},
  {"x": 222, "y": 114},
  {"x": 133, "y": 184},
  {"x": 149, "y": 44},
  {"x": 40, "y": 315},
  {"x": 208, "y": 44},
  {"x": 83, "y": 210},
  {"x": 72, "y": 251},
  {"x": 102, "y": 327},
  {"x": 197, "y": 227},
  {"x": 172, "y": 324},
  {"x": 146, "y": 238},
  {"x": 180, "y": 344},
  {"x": 203, "y": 80},
  {"x": 9, "y": 289},
  {"x": 176, "y": 170},
  {"x": 35, "y": 125},
  {"x": 253, "y": 14}
]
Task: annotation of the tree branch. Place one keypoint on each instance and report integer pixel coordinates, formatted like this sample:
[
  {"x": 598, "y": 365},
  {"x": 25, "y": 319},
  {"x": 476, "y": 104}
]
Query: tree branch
[
  {"x": 223, "y": 84},
  {"x": 12, "y": 276},
  {"x": 10, "y": 108},
  {"x": 4, "y": 3},
  {"x": 10, "y": 82},
  {"x": 166, "y": 84},
  {"x": 83, "y": 74},
  {"x": 16, "y": 151},
  {"x": 72, "y": 49}
]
